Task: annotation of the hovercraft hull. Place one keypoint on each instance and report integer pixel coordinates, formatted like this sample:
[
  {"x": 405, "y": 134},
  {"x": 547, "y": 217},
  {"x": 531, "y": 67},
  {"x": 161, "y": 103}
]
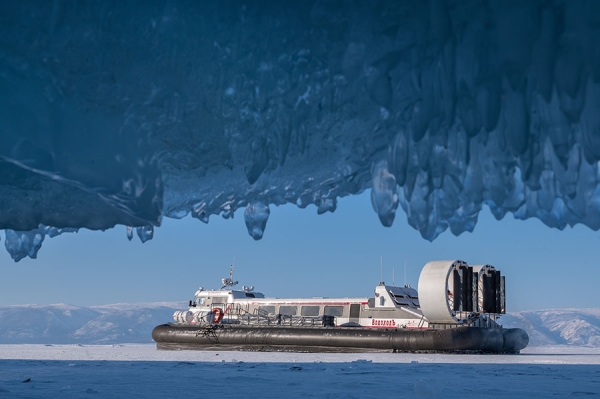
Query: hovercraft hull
[{"x": 320, "y": 339}]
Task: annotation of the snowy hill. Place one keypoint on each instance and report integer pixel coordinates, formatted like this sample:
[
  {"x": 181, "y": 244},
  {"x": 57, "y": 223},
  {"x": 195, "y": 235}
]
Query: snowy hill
[
  {"x": 133, "y": 323},
  {"x": 66, "y": 324},
  {"x": 559, "y": 326}
]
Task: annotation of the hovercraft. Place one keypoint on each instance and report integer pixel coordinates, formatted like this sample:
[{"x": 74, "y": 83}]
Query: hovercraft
[{"x": 455, "y": 309}]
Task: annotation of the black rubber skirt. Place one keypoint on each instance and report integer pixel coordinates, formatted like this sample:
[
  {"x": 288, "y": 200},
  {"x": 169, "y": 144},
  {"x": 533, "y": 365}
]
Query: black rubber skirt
[{"x": 232, "y": 337}]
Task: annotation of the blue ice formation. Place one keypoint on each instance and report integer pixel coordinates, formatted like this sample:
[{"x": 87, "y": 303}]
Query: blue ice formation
[{"x": 120, "y": 113}]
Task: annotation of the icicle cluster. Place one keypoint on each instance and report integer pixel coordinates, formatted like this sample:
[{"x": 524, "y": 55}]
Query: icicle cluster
[{"x": 110, "y": 116}]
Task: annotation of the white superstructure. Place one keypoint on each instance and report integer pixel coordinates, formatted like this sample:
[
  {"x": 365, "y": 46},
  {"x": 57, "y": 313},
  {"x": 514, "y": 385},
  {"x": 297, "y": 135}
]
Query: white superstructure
[
  {"x": 449, "y": 296},
  {"x": 395, "y": 307}
]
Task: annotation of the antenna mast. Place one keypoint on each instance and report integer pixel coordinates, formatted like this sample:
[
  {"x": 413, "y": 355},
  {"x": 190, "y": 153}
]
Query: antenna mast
[
  {"x": 381, "y": 270},
  {"x": 228, "y": 282},
  {"x": 405, "y": 272}
]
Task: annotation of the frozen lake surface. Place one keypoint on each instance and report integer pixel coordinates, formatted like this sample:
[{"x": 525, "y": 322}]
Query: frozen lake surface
[{"x": 141, "y": 371}]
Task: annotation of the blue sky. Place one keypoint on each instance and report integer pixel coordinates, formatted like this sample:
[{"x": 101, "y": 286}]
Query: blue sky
[{"x": 302, "y": 254}]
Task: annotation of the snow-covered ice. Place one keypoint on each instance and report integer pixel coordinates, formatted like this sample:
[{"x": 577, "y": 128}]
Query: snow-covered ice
[{"x": 141, "y": 371}]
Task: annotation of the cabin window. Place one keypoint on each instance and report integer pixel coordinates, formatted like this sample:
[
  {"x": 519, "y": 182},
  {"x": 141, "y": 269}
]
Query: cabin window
[
  {"x": 266, "y": 309},
  {"x": 333, "y": 310},
  {"x": 218, "y": 305},
  {"x": 248, "y": 295},
  {"x": 200, "y": 301},
  {"x": 309, "y": 311},
  {"x": 288, "y": 310}
]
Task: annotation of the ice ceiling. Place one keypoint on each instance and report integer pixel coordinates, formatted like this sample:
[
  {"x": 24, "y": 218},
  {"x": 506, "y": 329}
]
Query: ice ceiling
[{"x": 123, "y": 113}]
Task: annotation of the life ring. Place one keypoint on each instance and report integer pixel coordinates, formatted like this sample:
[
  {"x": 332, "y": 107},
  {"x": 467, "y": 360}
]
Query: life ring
[{"x": 217, "y": 315}]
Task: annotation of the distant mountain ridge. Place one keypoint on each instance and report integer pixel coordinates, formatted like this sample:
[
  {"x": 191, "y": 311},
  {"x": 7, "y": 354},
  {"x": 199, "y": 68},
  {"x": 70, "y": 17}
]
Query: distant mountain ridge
[
  {"x": 67, "y": 324},
  {"x": 133, "y": 323},
  {"x": 558, "y": 326}
]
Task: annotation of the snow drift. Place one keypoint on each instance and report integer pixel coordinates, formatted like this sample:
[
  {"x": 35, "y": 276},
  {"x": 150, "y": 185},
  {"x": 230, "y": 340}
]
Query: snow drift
[{"x": 115, "y": 113}]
